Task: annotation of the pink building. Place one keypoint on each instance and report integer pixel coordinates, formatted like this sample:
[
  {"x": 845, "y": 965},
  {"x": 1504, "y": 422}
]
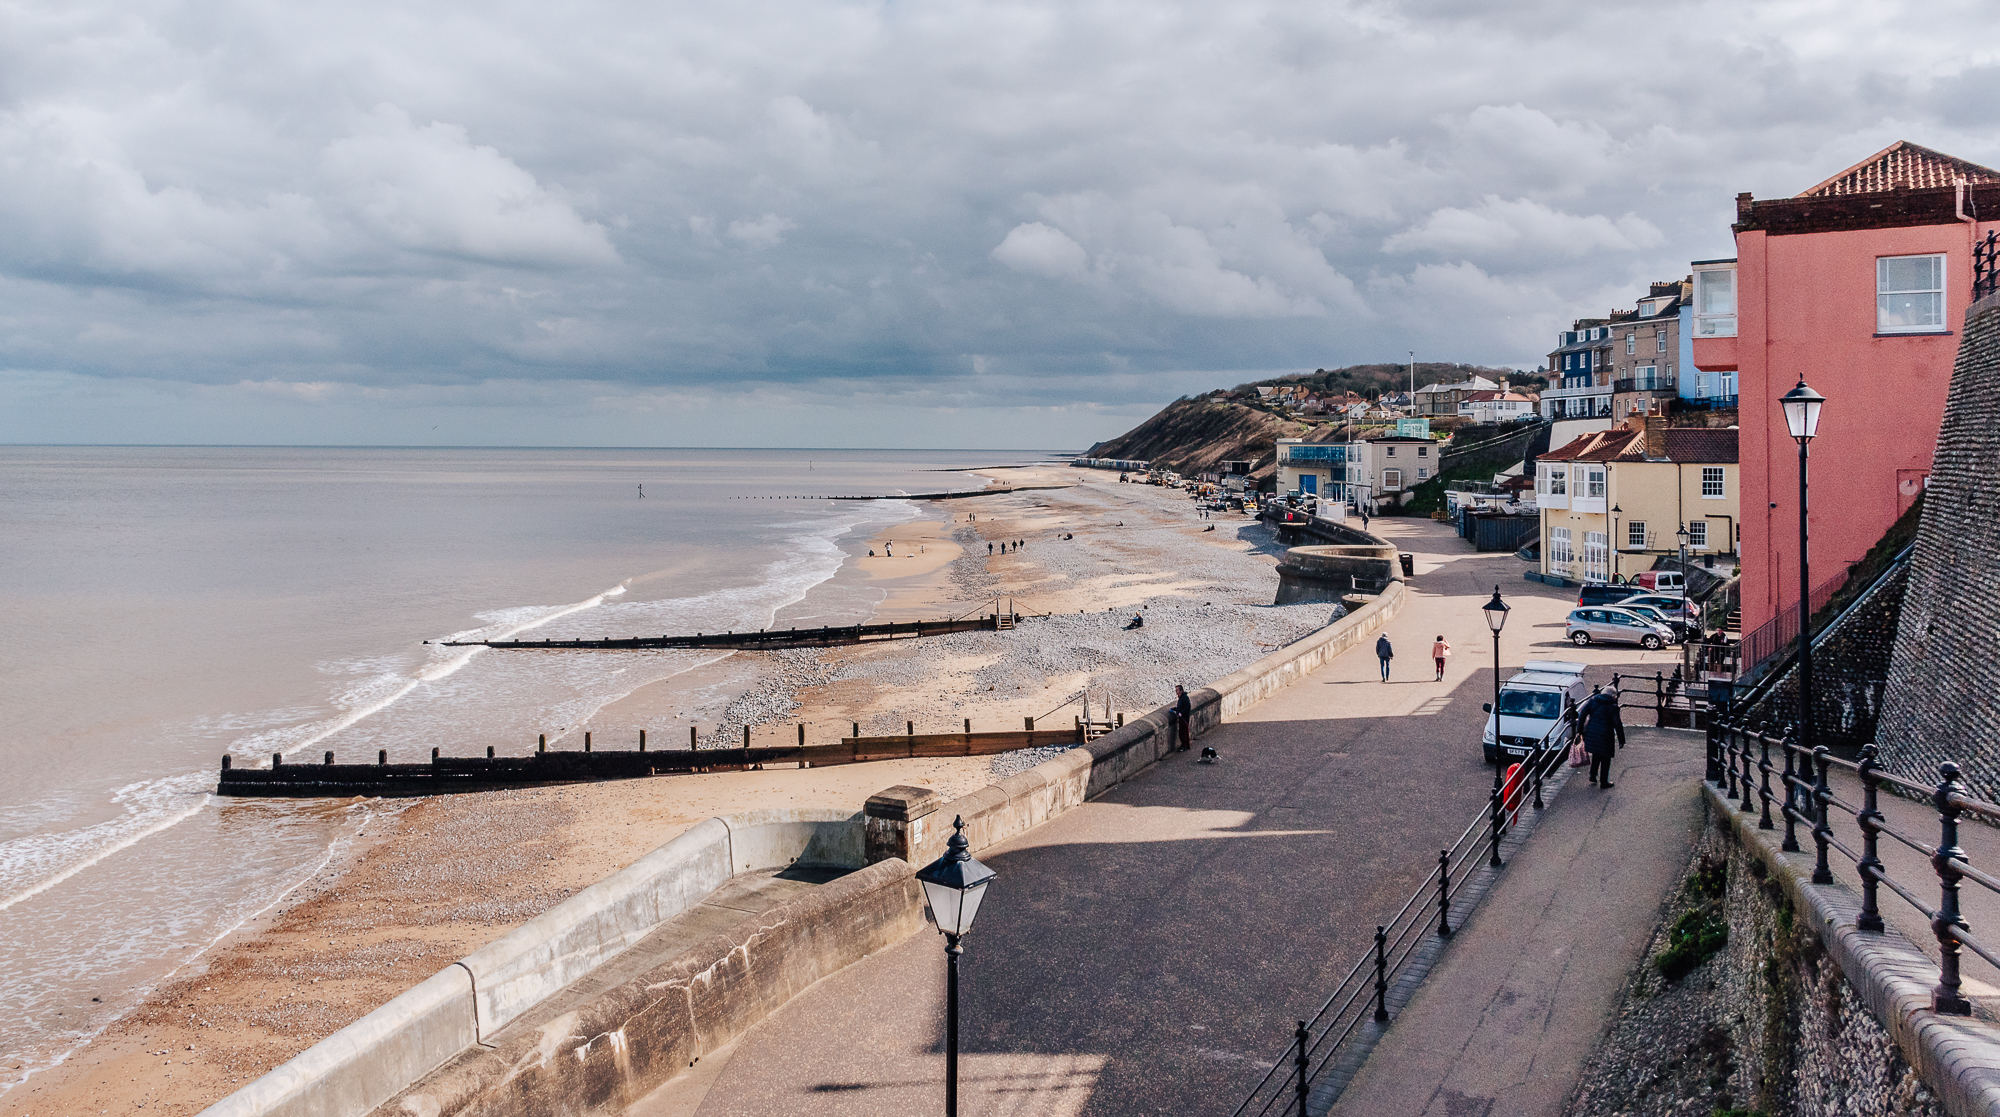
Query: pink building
[{"x": 1858, "y": 286}]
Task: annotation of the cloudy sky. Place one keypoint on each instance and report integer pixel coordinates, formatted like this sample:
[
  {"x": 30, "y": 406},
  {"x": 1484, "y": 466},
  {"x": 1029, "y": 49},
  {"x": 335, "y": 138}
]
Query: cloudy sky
[{"x": 840, "y": 223}]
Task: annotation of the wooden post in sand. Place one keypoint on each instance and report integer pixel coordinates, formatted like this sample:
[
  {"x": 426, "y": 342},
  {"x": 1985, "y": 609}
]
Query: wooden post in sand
[
  {"x": 381, "y": 756},
  {"x": 586, "y": 741},
  {"x": 968, "y": 725},
  {"x": 642, "y": 740},
  {"x": 802, "y": 734},
  {"x": 434, "y": 754},
  {"x": 489, "y": 752},
  {"x": 1028, "y": 724},
  {"x": 541, "y": 742},
  {"x": 857, "y": 730},
  {"x": 910, "y": 728},
  {"x": 329, "y": 756},
  {"x": 694, "y": 738},
  {"x": 746, "y": 736}
]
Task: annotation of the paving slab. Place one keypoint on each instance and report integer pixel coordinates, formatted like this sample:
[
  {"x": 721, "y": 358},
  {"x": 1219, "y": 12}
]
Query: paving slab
[{"x": 1525, "y": 990}]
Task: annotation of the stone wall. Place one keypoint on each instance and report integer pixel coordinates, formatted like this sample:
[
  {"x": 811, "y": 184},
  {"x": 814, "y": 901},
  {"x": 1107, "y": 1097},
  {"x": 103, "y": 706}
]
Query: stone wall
[
  {"x": 1944, "y": 674},
  {"x": 1850, "y": 668},
  {"x": 1798, "y": 1014}
]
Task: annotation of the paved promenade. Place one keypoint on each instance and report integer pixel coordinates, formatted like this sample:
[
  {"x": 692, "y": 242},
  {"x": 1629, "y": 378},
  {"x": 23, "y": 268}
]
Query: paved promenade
[{"x": 1149, "y": 951}]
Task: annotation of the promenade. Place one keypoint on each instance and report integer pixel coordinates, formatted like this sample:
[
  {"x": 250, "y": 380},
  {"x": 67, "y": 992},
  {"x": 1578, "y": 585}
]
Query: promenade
[{"x": 1149, "y": 951}]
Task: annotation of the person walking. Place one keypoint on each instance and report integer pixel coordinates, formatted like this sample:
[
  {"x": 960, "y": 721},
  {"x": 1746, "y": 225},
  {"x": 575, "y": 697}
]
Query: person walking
[
  {"x": 1385, "y": 652},
  {"x": 1183, "y": 715},
  {"x": 1440, "y": 651},
  {"x": 1603, "y": 733}
]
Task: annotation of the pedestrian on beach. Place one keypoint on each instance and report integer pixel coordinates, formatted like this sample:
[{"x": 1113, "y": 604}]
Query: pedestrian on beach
[
  {"x": 1183, "y": 715},
  {"x": 1385, "y": 652},
  {"x": 1440, "y": 651},
  {"x": 1603, "y": 733}
]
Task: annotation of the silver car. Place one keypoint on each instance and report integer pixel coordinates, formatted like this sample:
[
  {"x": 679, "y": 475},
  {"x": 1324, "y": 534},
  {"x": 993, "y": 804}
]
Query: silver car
[{"x": 1616, "y": 626}]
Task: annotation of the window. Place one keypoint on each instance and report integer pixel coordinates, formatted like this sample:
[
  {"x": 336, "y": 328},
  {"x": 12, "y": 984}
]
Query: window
[
  {"x": 1909, "y": 294},
  {"x": 1558, "y": 481},
  {"x": 1715, "y": 302},
  {"x": 1711, "y": 481},
  {"x": 1388, "y": 451},
  {"x": 1422, "y": 473},
  {"x": 1594, "y": 561},
  {"x": 1392, "y": 479},
  {"x": 1559, "y": 552},
  {"x": 1423, "y": 451},
  {"x": 1700, "y": 384},
  {"x": 1659, "y": 341},
  {"x": 1635, "y": 534},
  {"x": 1593, "y": 478},
  {"x": 1698, "y": 535},
  {"x": 1631, "y": 340}
]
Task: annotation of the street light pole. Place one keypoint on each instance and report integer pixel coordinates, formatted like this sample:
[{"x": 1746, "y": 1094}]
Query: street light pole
[
  {"x": 1496, "y": 619},
  {"x": 1615, "y": 513},
  {"x": 954, "y": 885},
  {"x": 1802, "y": 406},
  {"x": 1681, "y": 535}
]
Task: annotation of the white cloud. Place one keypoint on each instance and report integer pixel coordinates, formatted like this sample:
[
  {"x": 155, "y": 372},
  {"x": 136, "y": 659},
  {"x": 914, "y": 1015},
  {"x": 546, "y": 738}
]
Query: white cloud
[
  {"x": 1037, "y": 249},
  {"x": 767, "y": 231},
  {"x": 1525, "y": 229}
]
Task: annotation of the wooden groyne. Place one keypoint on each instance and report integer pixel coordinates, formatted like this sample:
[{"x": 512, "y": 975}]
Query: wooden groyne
[
  {"x": 763, "y": 639},
  {"x": 446, "y": 775},
  {"x": 948, "y": 494}
]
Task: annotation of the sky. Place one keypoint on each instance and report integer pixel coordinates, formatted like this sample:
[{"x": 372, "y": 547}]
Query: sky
[{"x": 941, "y": 224}]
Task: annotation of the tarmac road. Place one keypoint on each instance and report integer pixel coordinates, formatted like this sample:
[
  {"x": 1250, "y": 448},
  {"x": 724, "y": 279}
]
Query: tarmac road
[{"x": 1149, "y": 951}]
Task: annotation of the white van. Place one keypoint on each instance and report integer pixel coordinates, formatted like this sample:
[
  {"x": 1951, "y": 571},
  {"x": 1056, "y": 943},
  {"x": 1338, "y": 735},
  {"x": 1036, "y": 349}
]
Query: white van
[{"x": 1530, "y": 703}]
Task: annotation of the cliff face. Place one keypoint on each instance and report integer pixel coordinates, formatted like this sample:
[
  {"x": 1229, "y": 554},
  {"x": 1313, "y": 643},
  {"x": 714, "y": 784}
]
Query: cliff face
[{"x": 1192, "y": 435}]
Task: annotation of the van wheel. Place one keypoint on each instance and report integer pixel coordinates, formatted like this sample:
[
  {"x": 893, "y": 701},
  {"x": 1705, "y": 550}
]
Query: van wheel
[
  {"x": 1580, "y": 639},
  {"x": 1650, "y": 642}
]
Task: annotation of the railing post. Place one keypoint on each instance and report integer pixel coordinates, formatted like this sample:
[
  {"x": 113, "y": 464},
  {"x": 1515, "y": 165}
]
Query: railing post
[
  {"x": 1659, "y": 699},
  {"x": 1713, "y": 769},
  {"x": 1750, "y": 780},
  {"x": 1764, "y": 788},
  {"x": 1822, "y": 874},
  {"x": 1535, "y": 768},
  {"x": 1793, "y": 775},
  {"x": 1730, "y": 734},
  {"x": 1300, "y": 1062},
  {"x": 1870, "y": 821},
  {"x": 1946, "y": 997},
  {"x": 1444, "y": 893},
  {"x": 1381, "y": 975}
]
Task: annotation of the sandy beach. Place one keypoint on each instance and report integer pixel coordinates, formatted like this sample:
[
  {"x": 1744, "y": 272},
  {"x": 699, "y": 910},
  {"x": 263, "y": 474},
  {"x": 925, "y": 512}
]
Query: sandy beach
[{"x": 434, "y": 879}]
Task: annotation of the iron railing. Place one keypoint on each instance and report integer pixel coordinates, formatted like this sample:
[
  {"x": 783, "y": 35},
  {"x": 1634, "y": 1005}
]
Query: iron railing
[
  {"x": 1363, "y": 994},
  {"x": 1708, "y": 403},
  {"x": 1643, "y": 384},
  {"x": 1781, "y": 631},
  {"x": 1986, "y": 266},
  {"x": 1740, "y": 763}
]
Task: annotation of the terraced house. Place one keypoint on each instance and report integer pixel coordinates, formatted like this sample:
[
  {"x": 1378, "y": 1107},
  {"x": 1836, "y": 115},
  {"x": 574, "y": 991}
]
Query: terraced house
[{"x": 1613, "y": 502}]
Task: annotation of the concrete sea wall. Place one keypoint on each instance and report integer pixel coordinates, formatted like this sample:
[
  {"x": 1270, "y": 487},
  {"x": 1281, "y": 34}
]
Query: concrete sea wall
[
  {"x": 1798, "y": 1014},
  {"x": 472, "y": 1040},
  {"x": 1325, "y": 573}
]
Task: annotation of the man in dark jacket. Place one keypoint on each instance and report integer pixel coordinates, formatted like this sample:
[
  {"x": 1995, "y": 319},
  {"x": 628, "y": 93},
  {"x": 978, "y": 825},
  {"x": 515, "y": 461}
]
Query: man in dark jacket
[
  {"x": 1183, "y": 715},
  {"x": 1603, "y": 733},
  {"x": 1385, "y": 652}
]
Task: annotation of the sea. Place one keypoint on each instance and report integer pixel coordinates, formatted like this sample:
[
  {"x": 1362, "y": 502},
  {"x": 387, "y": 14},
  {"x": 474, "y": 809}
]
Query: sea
[{"x": 164, "y": 606}]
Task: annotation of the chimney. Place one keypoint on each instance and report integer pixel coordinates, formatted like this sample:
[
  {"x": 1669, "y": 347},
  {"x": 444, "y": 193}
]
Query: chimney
[{"x": 1656, "y": 438}]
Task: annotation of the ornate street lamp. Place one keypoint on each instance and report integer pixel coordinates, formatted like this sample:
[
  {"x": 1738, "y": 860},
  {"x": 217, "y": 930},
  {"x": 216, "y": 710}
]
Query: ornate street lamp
[
  {"x": 1802, "y": 406},
  {"x": 1496, "y": 619},
  {"x": 954, "y": 885},
  {"x": 1615, "y": 513}
]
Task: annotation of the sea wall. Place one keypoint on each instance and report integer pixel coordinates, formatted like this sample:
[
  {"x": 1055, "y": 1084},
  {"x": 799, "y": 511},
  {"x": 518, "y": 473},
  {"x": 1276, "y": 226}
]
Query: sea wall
[
  {"x": 470, "y": 1039},
  {"x": 1943, "y": 674},
  {"x": 364, "y": 1064},
  {"x": 1326, "y": 573},
  {"x": 1798, "y": 1014}
]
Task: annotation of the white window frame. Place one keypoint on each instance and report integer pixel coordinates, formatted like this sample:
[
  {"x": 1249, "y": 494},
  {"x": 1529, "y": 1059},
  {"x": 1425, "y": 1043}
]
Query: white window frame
[
  {"x": 1560, "y": 555},
  {"x": 1596, "y": 557},
  {"x": 1660, "y": 340},
  {"x": 1593, "y": 480},
  {"x": 1715, "y": 297},
  {"x": 1558, "y": 480},
  {"x": 1727, "y": 383},
  {"x": 1631, "y": 342},
  {"x": 1931, "y": 319},
  {"x": 1697, "y": 535},
  {"x": 1422, "y": 473},
  {"x": 1714, "y": 483},
  {"x": 1635, "y": 534},
  {"x": 1392, "y": 480}
]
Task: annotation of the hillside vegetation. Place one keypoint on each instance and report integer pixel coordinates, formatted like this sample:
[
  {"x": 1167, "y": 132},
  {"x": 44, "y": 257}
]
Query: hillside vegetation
[{"x": 1192, "y": 435}]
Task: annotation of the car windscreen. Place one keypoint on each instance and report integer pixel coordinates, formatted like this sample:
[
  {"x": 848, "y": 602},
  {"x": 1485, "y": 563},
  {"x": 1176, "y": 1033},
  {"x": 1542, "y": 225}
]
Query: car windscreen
[{"x": 1530, "y": 703}]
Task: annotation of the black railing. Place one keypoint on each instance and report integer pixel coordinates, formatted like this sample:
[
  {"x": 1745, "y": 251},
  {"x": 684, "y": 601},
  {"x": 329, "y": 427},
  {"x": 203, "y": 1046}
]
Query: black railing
[
  {"x": 1778, "y": 633},
  {"x": 1986, "y": 266},
  {"x": 1643, "y": 384},
  {"x": 1363, "y": 995},
  {"x": 1740, "y": 764},
  {"x": 1708, "y": 403}
]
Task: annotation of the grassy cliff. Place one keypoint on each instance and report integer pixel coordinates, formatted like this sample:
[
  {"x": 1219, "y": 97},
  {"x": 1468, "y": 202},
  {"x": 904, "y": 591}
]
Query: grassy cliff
[{"x": 1191, "y": 435}]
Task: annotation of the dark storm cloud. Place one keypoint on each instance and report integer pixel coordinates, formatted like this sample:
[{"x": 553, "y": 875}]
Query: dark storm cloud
[{"x": 949, "y": 205}]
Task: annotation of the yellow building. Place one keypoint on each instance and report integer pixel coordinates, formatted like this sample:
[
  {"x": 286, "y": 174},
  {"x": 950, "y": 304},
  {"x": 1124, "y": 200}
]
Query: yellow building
[{"x": 1640, "y": 486}]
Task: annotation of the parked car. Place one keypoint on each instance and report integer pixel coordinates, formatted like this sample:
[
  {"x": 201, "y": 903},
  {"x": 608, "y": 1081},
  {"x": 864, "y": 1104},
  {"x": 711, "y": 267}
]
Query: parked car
[
  {"x": 1614, "y": 625},
  {"x": 1652, "y": 613},
  {"x": 1530, "y": 703},
  {"x": 1673, "y": 606},
  {"x": 1604, "y": 593},
  {"x": 1660, "y": 581}
]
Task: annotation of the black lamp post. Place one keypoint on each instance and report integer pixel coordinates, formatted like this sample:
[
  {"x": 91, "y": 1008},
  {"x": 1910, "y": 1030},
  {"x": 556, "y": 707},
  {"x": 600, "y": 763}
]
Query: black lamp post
[
  {"x": 1496, "y": 619},
  {"x": 1802, "y": 406},
  {"x": 1615, "y": 513},
  {"x": 1681, "y": 535},
  {"x": 954, "y": 885}
]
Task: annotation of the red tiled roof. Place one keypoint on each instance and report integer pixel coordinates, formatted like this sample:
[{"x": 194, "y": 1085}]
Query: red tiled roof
[
  {"x": 1901, "y": 166},
  {"x": 1713, "y": 445},
  {"x": 1601, "y": 446}
]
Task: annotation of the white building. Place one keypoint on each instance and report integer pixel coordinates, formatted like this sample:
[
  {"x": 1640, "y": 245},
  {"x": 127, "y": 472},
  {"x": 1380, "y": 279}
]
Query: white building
[
  {"x": 1496, "y": 407},
  {"x": 1381, "y": 471}
]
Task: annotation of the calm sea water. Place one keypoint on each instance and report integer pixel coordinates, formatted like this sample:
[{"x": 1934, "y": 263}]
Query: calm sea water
[{"x": 164, "y": 606}]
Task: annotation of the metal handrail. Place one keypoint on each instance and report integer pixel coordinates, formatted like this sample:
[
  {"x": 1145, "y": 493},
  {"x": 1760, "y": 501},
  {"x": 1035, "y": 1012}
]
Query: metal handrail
[
  {"x": 1427, "y": 909},
  {"x": 1739, "y": 763}
]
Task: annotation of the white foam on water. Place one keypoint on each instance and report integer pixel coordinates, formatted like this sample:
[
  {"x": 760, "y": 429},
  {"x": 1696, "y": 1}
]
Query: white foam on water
[{"x": 34, "y": 864}]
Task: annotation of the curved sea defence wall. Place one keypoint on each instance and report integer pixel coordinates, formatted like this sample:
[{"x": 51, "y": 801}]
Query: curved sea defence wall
[
  {"x": 483, "y": 1037},
  {"x": 1327, "y": 573}
]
